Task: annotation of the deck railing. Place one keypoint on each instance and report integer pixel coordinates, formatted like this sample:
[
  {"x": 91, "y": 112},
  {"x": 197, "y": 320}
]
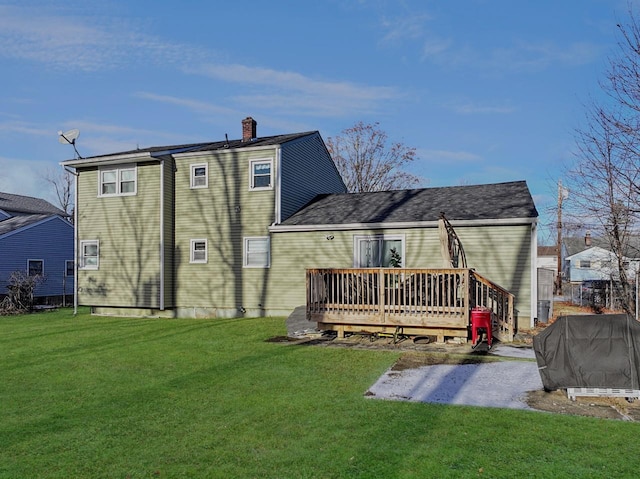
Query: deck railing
[{"x": 420, "y": 301}]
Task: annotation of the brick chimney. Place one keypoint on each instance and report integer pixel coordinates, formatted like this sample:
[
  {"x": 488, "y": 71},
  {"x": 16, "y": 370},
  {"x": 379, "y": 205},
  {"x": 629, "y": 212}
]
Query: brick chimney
[{"x": 248, "y": 129}]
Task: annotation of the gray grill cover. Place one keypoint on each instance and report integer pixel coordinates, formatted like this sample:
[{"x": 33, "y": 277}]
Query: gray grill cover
[{"x": 589, "y": 351}]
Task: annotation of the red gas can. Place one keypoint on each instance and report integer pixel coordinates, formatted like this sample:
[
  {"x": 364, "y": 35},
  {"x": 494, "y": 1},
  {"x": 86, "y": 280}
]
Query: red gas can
[{"x": 480, "y": 319}]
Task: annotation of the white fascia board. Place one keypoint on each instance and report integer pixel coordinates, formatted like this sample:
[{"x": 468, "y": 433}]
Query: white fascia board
[
  {"x": 112, "y": 160},
  {"x": 400, "y": 225}
]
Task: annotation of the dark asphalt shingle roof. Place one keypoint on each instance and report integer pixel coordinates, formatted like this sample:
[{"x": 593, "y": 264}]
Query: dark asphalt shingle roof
[
  {"x": 17, "y": 222},
  {"x": 477, "y": 202},
  {"x": 210, "y": 146},
  {"x": 18, "y": 204},
  {"x": 574, "y": 245}
]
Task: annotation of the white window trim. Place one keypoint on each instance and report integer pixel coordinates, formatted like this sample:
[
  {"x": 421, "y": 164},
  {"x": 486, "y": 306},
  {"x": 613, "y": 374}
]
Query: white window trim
[
  {"x": 192, "y": 251},
  {"x": 81, "y": 256},
  {"x": 34, "y": 259},
  {"x": 271, "y": 179},
  {"x": 383, "y": 237},
  {"x": 245, "y": 255},
  {"x": 118, "y": 171},
  {"x": 193, "y": 175}
]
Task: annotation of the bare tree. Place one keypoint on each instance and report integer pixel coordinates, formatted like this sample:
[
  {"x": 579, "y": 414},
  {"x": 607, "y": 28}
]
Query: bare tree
[
  {"x": 63, "y": 184},
  {"x": 368, "y": 163},
  {"x": 604, "y": 184}
]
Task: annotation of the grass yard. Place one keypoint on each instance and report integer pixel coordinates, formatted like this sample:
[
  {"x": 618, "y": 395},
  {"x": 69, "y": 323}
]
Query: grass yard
[{"x": 91, "y": 397}]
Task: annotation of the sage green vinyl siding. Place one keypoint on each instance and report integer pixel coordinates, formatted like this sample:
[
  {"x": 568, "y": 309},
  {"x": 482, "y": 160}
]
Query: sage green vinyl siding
[
  {"x": 128, "y": 229},
  {"x": 306, "y": 171},
  {"x": 224, "y": 214},
  {"x": 499, "y": 253}
]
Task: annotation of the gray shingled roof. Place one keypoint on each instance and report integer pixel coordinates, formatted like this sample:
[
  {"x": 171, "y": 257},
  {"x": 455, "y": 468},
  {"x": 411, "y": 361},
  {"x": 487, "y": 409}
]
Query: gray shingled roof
[
  {"x": 478, "y": 202},
  {"x": 18, "y": 204},
  {"x": 209, "y": 146},
  {"x": 17, "y": 222},
  {"x": 574, "y": 245}
]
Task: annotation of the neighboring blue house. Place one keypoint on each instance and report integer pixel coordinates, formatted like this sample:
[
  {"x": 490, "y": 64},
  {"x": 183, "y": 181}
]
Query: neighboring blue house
[{"x": 36, "y": 239}]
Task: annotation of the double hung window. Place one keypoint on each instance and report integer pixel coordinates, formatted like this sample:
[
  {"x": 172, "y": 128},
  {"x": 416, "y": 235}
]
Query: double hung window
[
  {"x": 35, "y": 267},
  {"x": 257, "y": 252},
  {"x": 121, "y": 180},
  {"x": 199, "y": 176},
  {"x": 198, "y": 251},
  {"x": 89, "y": 254},
  {"x": 261, "y": 174}
]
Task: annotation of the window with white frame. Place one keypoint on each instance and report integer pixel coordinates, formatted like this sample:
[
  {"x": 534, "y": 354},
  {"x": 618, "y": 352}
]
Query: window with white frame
[
  {"x": 375, "y": 251},
  {"x": 121, "y": 180},
  {"x": 35, "y": 267},
  {"x": 69, "y": 269},
  {"x": 585, "y": 263},
  {"x": 199, "y": 176},
  {"x": 198, "y": 251},
  {"x": 257, "y": 252},
  {"x": 89, "y": 254},
  {"x": 261, "y": 174}
]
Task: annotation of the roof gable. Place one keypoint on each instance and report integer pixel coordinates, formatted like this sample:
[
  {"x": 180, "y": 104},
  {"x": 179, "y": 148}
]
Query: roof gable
[
  {"x": 478, "y": 202},
  {"x": 20, "y": 223}
]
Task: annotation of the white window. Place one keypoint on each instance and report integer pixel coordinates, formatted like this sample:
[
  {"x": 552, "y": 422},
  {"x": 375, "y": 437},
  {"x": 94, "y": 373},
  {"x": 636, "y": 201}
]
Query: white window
[
  {"x": 261, "y": 174},
  {"x": 585, "y": 263},
  {"x": 199, "y": 176},
  {"x": 89, "y": 254},
  {"x": 377, "y": 251},
  {"x": 120, "y": 180},
  {"x": 256, "y": 252},
  {"x": 35, "y": 267},
  {"x": 198, "y": 251},
  {"x": 69, "y": 269}
]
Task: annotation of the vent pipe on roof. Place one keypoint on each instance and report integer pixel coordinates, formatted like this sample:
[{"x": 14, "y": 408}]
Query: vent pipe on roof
[{"x": 249, "y": 127}]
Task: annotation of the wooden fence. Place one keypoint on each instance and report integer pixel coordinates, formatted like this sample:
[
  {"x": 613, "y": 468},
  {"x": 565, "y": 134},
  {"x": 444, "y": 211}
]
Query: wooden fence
[{"x": 416, "y": 301}]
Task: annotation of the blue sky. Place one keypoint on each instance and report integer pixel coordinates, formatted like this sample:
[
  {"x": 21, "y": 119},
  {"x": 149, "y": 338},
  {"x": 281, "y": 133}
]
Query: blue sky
[{"x": 485, "y": 90}]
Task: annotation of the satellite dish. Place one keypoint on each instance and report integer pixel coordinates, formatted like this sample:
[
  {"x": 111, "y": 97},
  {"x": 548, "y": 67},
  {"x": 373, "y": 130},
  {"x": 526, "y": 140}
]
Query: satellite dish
[{"x": 68, "y": 137}]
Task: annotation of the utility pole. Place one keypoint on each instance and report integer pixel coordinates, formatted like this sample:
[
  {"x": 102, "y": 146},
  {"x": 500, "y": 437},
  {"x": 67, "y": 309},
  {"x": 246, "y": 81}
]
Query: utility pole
[{"x": 559, "y": 244}]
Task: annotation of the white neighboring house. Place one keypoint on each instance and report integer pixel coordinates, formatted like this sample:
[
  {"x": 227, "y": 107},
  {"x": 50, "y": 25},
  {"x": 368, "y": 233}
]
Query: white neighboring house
[
  {"x": 592, "y": 272},
  {"x": 598, "y": 264}
]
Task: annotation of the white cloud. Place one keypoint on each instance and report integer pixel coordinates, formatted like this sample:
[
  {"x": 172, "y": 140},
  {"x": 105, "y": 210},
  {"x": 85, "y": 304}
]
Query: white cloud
[
  {"x": 192, "y": 105},
  {"x": 88, "y": 43},
  {"x": 409, "y": 26},
  {"x": 288, "y": 91},
  {"x": 434, "y": 47}
]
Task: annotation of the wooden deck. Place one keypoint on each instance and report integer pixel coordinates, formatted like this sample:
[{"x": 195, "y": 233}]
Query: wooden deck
[{"x": 434, "y": 302}]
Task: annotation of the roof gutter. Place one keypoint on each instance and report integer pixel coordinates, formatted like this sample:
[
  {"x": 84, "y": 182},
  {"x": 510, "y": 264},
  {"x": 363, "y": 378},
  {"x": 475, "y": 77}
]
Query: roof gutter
[{"x": 400, "y": 225}]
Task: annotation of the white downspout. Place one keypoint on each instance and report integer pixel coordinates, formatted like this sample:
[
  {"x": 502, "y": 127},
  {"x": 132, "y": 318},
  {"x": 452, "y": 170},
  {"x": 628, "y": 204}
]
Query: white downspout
[
  {"x": 162, "y": 271},
  {"x": 534, "y": 274},
  {"x": 278, "y": 178},
  {"x": 75, "y": 242}
]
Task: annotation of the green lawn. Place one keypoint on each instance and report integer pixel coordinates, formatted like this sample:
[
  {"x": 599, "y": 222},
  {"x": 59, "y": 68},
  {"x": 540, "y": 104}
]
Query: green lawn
[{"x": 84, "y": 397}]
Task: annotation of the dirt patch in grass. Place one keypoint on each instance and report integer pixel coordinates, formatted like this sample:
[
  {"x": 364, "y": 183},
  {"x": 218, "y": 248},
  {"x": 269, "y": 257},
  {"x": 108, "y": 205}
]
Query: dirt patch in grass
[
  {"x": 417, "y": 360},
  {"x": 601, "y": 407}
]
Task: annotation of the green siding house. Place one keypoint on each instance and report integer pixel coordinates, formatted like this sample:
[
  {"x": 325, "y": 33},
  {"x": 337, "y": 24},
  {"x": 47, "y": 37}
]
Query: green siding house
[{"x": 228, "y": 228}]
